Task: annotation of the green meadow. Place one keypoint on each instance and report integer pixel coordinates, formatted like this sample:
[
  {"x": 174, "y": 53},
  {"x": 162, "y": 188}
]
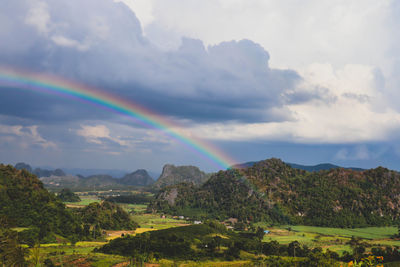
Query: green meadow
[
  {"x": 85, "y": 200},
  {"x": 155, "y": 221},
  {"x": 366, "y": 233},
  {"x": 334, "y": 239},
  {"x": 136, "y": 208}
]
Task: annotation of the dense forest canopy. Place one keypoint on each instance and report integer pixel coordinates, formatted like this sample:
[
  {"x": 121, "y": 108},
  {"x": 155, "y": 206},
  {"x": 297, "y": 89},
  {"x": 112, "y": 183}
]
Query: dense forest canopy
[
  {"x": 66, "y": 195},
  {"x": 106, "y": 215},
  {"x": 26, "y": 203}
]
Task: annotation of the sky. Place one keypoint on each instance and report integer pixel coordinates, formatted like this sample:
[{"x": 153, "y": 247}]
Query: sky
[{"x": 305, "y": 81}]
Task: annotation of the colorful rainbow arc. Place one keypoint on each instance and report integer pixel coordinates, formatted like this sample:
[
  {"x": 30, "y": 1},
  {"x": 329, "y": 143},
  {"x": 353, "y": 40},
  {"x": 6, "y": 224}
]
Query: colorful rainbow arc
[{"x": 55, "y": 85}]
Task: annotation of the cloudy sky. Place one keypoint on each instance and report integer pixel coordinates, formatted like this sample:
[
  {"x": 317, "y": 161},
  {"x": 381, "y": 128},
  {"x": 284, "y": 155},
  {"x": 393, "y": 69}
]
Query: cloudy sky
[{"x": 305, "y": 81}]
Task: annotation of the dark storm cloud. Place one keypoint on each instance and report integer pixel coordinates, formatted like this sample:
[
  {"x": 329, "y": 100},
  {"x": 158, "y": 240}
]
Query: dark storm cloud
[
  {"x": 101, "y": 43},
  {"x": 34, "y": 107}
]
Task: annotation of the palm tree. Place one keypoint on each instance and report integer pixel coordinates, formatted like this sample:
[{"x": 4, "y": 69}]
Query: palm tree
[{"x": 35, "y": 255}]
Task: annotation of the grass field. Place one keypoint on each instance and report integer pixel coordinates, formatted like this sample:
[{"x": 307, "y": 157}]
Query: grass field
[
  {"x": 154, "y": 221},
  {"x": 334, "y": 239},
  {"x": 78, "y": 255},
  {"x": 20, "y": 229},
  {"x": 367, "y": 233},
  {"x": 85, "y": 200},
  {"x": 137, "y": 208}
]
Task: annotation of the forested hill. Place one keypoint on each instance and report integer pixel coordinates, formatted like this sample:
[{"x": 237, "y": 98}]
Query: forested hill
[
  {"x": 310, "y": 168},
  {"x": 25, "y": 202},
  {"x": 273, "y": 191}
]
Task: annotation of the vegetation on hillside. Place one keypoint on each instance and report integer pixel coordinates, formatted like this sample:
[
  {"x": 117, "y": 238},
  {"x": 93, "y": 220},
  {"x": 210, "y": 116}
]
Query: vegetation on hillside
[
  {"x": 44, "y": 218},
  {"x": 272, "y": 191},
  {"x": 11, "y": 252},
  {"x": 140, "y": 198},
  {"x": 26, "y": 203},
  {"x": 66, "y": 195},
  {"x": 106, "y": 215},
  {"x": 138, "y": 178},
  {"x": 210, "y": 241}
]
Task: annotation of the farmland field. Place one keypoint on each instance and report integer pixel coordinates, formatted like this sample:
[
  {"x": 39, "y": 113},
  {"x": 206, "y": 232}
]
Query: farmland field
[
  {"x": 155, "y": 221},
  {"x": 137, "y": 208},
  {"x": 367, "y": 232},
  {"x": 85, "y": 200},
  {"x": 334, "y": 239}
]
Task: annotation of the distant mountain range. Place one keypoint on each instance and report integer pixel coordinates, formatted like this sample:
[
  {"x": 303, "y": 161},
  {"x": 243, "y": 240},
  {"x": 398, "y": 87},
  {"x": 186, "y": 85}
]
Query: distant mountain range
[
  {"x": 98, "y": 182},
  {"x": 81, "y": 172},
  {"x": 170, "y": 175},
  {"x": 309, "y": 168},
  {"x": 38, "y": 171}
]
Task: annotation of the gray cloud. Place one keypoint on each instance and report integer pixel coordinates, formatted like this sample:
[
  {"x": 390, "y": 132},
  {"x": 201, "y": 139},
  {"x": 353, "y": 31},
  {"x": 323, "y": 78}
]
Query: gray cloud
[{"x": 101, "y": 43}]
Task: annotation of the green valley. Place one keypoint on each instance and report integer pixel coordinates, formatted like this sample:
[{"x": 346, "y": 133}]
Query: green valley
[{"x": 239, "y": 217}]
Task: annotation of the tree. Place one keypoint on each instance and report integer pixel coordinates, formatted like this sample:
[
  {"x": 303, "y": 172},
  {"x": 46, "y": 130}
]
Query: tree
[
  {"x": 357, "y": 246},
  {"x": 17, "y": 257},
  {"x": 35, "y": 255},
  {"x": 11, "y": 253},
  {"x": 293, "y": 246},
  {"x": 67, "y": 195},
  {"x": 260, "y": 233},
  {"x": 398, "y": 230}
]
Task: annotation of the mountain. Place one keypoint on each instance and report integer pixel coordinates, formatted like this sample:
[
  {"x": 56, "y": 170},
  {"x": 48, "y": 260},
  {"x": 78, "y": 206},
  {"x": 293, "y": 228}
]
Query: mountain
[
  {"x": 320, "y": 167},
  {"x": 154, "y": 175},
  {"x": 99, "y": 181},
  {"x": 47, "y": 173},
  {"x": 67, "y": 181},
  {"x": 38, "y": 171},
  {"x": 310, "y": 168},
  {"x": 273, "y": 191},
  {"x": 22, "y": 165},
  {"x": 90, "y": 172},
  {"x": 172, "y": 174},
  {"x": 137, "y": 178},
  {"x": 58, "y": 179}
]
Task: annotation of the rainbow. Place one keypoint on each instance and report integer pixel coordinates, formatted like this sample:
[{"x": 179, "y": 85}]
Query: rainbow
[{"x": 55, "y": 85}]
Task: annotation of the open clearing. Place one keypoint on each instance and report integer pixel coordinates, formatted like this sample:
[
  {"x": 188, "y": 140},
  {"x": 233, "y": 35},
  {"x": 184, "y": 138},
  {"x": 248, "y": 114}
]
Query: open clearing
[
  {"x": 157, "y": 222},
  {"x": 85, "y": 200}
]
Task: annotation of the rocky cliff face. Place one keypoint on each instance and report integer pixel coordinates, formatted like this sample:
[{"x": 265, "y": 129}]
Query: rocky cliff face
[{"x": 172, "y": 175}]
